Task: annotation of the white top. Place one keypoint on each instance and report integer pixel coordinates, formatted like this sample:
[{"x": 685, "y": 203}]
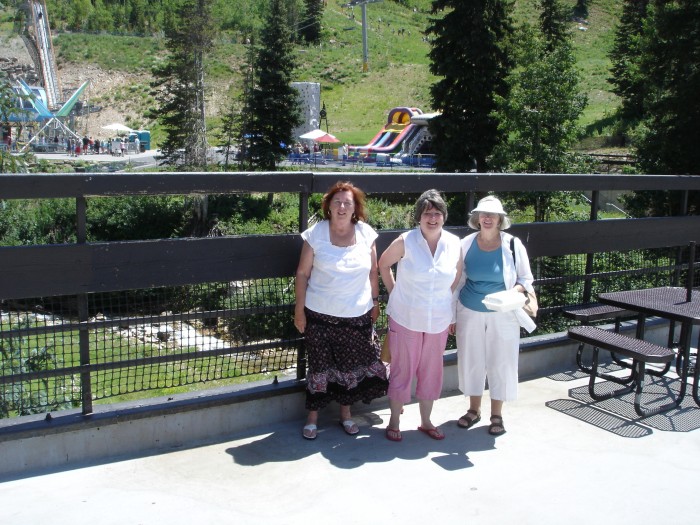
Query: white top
[
  {"x": 422, "y": 296},
  {"x": 513, "y": 273},
  {"x": 339, "y": 282}
]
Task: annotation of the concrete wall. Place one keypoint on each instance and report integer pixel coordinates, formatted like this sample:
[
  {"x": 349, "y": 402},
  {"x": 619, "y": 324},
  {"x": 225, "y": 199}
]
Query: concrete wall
[
  {"x": 69, "y": 439},
  {"x": 310, "y": 106}
]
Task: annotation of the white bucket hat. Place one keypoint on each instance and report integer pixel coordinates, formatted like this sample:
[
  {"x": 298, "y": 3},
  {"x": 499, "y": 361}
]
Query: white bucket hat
[{"x": 489, "y": 204}]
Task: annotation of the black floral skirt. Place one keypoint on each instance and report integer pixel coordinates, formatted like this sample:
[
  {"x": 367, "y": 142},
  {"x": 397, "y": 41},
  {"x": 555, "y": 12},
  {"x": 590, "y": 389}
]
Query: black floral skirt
[{"x": 342, "y": 354}]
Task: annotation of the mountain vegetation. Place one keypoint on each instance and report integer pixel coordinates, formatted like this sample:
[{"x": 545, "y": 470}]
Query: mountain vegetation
[{"x": 113, "y": 39}]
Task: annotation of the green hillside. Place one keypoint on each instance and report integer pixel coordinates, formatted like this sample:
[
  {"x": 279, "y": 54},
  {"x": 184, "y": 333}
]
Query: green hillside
[{"x": 357, "y": 103}]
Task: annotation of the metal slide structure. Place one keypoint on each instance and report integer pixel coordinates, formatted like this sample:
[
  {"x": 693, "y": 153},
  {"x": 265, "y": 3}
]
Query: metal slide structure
[
  {"x": 37, "y": 37},
  {"x": 44, "y": 114}
]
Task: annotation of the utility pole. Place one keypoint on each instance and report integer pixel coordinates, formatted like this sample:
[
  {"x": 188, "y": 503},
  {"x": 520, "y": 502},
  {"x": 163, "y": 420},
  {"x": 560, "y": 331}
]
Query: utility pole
[{"x": 363, "y": 7}]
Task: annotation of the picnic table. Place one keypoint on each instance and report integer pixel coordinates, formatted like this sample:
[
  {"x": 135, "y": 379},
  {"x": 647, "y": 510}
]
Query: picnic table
[{"x": 678, "y": 304}]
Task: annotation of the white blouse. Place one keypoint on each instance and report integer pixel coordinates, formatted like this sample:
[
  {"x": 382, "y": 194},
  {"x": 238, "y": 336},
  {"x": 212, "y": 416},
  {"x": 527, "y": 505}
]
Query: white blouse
[
  {"x": 422, "y": 296},
  {"x": 339, "y": 282}
]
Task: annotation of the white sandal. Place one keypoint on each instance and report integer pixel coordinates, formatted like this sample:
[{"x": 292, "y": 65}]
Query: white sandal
[
  {"x": 311, "y": 429},
  {"x": 350, "y": 427}
]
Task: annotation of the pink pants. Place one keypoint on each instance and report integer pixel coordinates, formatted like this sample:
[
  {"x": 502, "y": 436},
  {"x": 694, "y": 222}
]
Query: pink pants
[{"x": 415, "y": 354}]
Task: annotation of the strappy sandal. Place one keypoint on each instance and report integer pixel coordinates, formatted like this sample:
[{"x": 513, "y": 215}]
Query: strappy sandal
[
  {"x": 471, "y": 421},
  {"x": 496, "y": 427}
]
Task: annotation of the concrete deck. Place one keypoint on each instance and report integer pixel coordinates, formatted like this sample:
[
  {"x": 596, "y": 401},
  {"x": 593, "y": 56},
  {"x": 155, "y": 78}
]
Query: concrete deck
[{"x": 564, "y": 459}]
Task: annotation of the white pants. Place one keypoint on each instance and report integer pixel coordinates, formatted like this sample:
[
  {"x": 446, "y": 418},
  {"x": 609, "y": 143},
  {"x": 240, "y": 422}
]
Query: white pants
[{"x": 488, "y": 343}]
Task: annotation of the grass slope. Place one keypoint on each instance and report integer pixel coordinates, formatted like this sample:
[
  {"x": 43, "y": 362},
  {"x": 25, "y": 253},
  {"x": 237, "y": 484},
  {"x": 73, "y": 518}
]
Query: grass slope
[{"x": 357, "y": 102}]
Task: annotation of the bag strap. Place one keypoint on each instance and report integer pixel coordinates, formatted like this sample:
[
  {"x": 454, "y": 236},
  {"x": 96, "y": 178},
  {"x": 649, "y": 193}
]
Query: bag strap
[{"x": 512, "y": 251}]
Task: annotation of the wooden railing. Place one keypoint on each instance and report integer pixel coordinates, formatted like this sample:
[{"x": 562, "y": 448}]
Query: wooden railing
[{"x": 80, "y": 269}]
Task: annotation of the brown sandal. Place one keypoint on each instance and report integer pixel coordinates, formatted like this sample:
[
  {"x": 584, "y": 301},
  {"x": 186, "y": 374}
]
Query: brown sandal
[
  {"x": 496, "y": 427},
  {"x": 470, "y": 421}
]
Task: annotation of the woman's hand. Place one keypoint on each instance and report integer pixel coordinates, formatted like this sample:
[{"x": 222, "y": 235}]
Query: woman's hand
[
  {"x": 452, "y": 329},
  {"x": 300, "y": 320},
  {"x": 375, "y": 312}
]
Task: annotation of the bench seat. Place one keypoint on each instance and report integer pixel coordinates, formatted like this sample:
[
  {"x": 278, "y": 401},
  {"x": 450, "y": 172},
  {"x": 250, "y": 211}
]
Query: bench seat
[
  {"x": 588, "y": 313},
  {"x": 592, "y": 312},
  {"x": 622, "y": 344},
  {"x": 641, "y": 352}
]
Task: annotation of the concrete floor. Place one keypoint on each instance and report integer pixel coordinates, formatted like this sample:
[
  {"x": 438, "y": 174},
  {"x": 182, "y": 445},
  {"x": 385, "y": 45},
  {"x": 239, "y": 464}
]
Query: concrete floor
[{"x": 564, "y": 460}]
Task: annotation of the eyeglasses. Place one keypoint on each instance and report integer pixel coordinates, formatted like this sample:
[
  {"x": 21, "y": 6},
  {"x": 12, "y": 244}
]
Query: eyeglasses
[
  {"x": 339, "y": 203},
  {"x": 431, "y": 214},
  {"x": 487, "y": 214}
]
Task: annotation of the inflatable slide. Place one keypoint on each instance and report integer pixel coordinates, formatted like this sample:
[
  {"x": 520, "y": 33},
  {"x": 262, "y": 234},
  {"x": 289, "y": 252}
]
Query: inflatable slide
[{"x": 398, "y": 129}]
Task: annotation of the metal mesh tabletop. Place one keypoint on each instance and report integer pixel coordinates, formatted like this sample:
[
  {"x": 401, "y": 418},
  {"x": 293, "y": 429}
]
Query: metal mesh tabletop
[{"x": 667, "y": 302}]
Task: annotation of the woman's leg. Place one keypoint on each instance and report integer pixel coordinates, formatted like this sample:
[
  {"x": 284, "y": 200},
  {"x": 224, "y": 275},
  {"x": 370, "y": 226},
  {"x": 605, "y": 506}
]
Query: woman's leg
[
  {"x": 346, "y": 421},
  {"x": 404, "y": 359},
  {"x": 496, "y": 427},
  {"x": 396, "y": 409},
  {"x": 429, "y": 374},
  {"x": 471, "y": 351},
  {"x": 310, "y": 428},
  {"x": 502, "y": 351},
  {"x": 403, "y": 344},
  {"x": 426, "y": 408}
]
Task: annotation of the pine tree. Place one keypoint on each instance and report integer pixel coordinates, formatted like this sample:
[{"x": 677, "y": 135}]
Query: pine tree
[
  {"x": 553, "y": 20},
  {"x": 272, "y": 106},
  {"x": 581, "y": 8},
  {"x": 237, "y": 120},
  {"x": 626, "y": 80},
  {"x": 470, "y": 53},
  {"x": 669, "y": 134},
  {"x": 179, "y": 84},
  {"x": 310, "y": 27},
  {"x": 670, "y": 65}
]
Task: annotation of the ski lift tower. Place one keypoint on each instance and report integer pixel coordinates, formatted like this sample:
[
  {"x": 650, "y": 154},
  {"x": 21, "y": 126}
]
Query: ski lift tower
[{"x": 363, "y": 6}]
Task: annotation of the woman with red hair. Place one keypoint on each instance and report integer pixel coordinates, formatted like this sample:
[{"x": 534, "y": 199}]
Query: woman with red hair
[{"x": 337, "y": 303}]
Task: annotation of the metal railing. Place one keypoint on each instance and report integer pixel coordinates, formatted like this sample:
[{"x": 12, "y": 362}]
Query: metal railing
[{"x": 85, "y": 322}]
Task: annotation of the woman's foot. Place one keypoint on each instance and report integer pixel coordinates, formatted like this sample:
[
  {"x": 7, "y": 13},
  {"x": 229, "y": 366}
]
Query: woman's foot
[
  {"x": 496, "y": 427},
  {"x": 350, "y": 427},
  {"x": 310, "y": 431},
  {"x": 433, "y": 432},
  {"x": 393, "y": 434},
  {"x": 468, "y": 420}
]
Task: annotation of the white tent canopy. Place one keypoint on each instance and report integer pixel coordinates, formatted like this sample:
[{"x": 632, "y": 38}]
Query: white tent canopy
[
  {"x": 115, "y": 126},
  {"x": 313, "y": 135},
  {"x": 319, "y": 135}
]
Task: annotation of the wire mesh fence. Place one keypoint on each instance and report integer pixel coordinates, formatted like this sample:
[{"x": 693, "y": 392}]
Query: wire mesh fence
[
  {"x": 61, "y": 352},
  {"x": 143, "y": 340}
]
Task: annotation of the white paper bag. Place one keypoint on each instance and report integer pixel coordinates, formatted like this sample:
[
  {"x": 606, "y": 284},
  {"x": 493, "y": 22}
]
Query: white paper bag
[{"x": 504, "y": 301}]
